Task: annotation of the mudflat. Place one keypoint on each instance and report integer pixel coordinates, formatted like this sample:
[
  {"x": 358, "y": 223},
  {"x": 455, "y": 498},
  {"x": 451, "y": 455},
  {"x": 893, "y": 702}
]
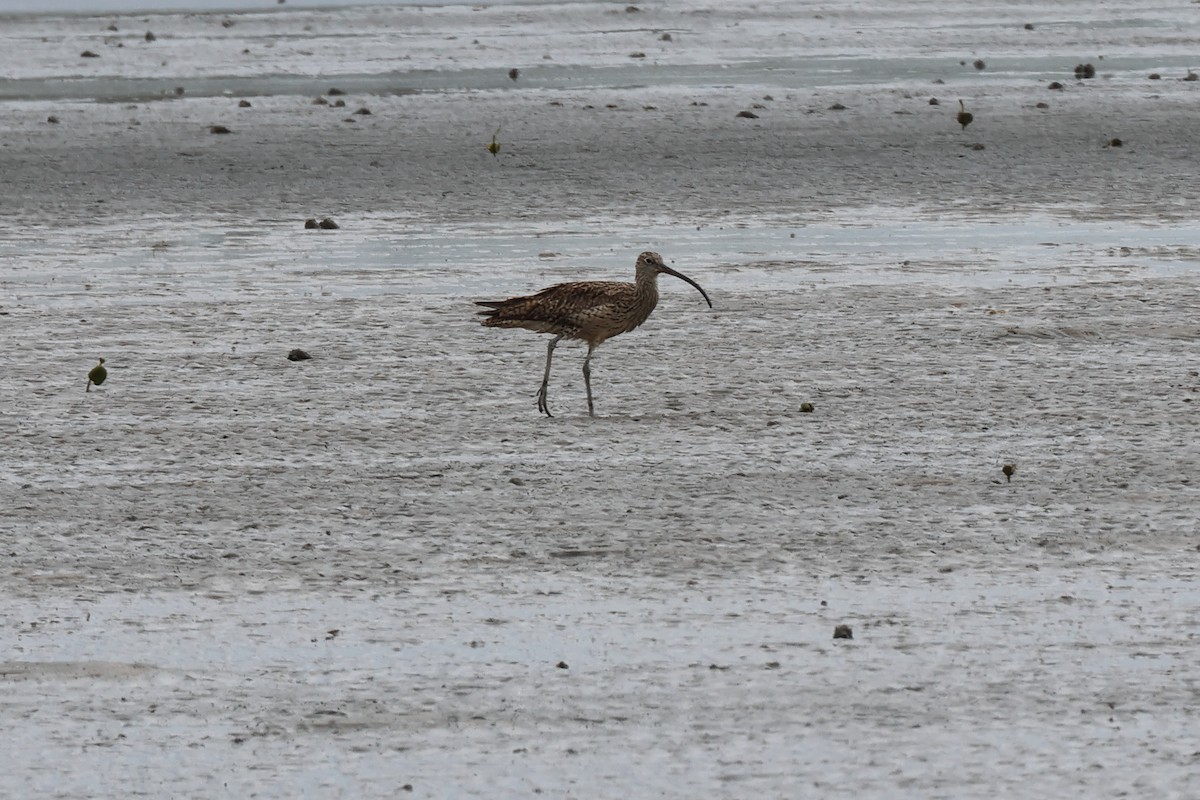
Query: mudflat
[{"x": 381, "y": 569}]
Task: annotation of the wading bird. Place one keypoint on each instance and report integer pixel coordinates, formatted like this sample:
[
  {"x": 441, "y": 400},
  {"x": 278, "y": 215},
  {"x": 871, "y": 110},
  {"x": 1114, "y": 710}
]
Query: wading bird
[
  {"x": 590, "y": 311},
  {"x": 97, "y": 375},
  {"x": 964, "y": 117}
]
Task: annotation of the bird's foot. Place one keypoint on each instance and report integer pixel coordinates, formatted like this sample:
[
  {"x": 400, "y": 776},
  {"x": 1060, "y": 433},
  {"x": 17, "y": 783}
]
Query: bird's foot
[{"x": 543, "y": 406}]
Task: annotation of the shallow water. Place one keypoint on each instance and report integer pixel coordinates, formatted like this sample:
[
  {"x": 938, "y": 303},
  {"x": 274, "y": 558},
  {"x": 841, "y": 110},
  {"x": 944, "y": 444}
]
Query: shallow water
[
  {"x": 256, "y": 692},
  {"x": 212, "y": 262}
]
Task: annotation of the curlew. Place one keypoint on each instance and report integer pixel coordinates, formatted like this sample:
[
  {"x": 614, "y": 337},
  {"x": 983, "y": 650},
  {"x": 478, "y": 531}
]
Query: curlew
[
  {"x": 96, "y": 375},
  {"x": 590, "y": 311},
  {"x": 964, "y": 117}
]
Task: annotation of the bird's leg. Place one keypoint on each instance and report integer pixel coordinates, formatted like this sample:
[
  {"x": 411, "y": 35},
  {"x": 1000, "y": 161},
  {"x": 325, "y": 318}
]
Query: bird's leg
[
  {"x": 542, "y": 405},
  {"x": 587, "y": 378}
]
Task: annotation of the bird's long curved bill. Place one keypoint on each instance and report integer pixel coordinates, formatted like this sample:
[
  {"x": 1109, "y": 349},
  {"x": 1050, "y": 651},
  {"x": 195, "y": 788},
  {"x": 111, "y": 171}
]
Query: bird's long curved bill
[{"x": 683, "y": 277}]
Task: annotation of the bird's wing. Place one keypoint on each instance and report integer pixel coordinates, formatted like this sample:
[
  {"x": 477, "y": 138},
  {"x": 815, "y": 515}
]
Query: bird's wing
[
  {"x": 592, "y": 296},
  {"x": 554, "y": 304}
]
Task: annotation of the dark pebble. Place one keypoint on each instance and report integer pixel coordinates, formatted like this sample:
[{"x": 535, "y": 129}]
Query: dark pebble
[
  {"x": 843, "y": 632},
  {"x": 298, "y": 355},
  {"x": 53, "y": 120},
  {"x": 933, "y": 101},
  {"x": 562, "y": 665},
  {"x": 329, "y": 225},
  {"x": 666, "y": 37},
  {"x": 88, "y": 54},
  {"x": 150, "y": 37},
  {"x": 979, "y": 64},
  {"x": 747, "y": 115},
  {"x": 1154, "y": 76},
  {"x": 806, "y": 408},
  {"x": 1055, "y": 85},
  {"x": 243, "y": 104},
  {"x": 218, "y": 129},
  {"x": 334, "y": 91},
  {"x": 311, "y": 223},
  {"x": 514, "y": 73},
  {"x": 365, "y": 112},
  {"x": 1115, "y": 142}
]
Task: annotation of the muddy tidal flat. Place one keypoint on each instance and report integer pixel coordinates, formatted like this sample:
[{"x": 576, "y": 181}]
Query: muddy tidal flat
[{"x": 380, "y": 572}]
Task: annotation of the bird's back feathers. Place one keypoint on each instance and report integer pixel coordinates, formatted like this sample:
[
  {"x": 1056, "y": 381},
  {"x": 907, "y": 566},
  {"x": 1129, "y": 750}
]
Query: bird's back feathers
[{"x": 588, "y": 310}]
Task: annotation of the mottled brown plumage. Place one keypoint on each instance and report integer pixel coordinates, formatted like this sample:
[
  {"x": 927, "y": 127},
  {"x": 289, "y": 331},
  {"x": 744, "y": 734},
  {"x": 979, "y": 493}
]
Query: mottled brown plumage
[{"x": 590, "y": 311}]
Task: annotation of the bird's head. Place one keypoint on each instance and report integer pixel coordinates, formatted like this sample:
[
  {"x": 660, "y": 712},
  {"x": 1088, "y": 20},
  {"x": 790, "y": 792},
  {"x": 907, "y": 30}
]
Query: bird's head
[
  {"x": 102, "y": 361},
  {"x": 653, "y": 262}
]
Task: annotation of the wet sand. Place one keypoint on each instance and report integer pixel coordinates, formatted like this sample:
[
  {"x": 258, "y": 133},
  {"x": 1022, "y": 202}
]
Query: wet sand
[
  {"x": 228, "y": 573},
  {"x": 423, "y": 158}
]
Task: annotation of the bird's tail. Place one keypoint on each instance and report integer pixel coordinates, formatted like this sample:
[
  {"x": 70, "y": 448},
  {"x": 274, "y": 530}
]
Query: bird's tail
[
  {"x": 503, "y": 313},
  {"x": 493, "y": 310}
]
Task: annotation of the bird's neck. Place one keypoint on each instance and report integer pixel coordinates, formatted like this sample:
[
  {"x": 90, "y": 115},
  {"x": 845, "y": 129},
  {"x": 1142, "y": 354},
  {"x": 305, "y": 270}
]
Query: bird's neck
[{"x": 647, "y": 283}]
